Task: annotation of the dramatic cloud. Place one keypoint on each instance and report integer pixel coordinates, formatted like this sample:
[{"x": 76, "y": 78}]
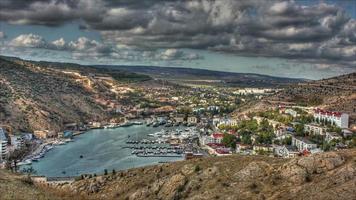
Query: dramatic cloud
[
  {"x": 322, "y": 33},
  {"x": 84, "y": 47}
]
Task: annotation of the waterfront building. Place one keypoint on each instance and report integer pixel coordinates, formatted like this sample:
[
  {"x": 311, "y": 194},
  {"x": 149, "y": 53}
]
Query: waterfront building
[
  {"x": 3, "y": 145},
  {"x": 16, "y": 142},
  {"x": 337, "y": 118},
  {"x": 303, "y": 144},
  {"x": 43, "y": 134},
  {"x": 314, "y": 129}
]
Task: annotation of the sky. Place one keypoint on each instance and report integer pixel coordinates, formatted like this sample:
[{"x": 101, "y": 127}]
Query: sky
[{"x": 310, "y": 39}]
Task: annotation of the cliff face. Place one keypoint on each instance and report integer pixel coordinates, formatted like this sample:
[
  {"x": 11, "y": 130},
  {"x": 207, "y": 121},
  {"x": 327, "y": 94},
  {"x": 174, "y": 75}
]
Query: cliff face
[{"x": 325, "y": 176}]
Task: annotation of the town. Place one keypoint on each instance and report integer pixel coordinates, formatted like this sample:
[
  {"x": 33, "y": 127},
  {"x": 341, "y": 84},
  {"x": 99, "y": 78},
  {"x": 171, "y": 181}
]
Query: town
[{"x": 207, "y": 112}]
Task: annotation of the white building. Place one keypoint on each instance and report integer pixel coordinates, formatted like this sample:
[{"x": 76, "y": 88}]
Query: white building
[
  {"x": 215, "y": 138},
  {"x": 303, "y": 144},
  {"x": 285, "y": 151},
  {"x": 192, "y": 120},
  {"x": 339, "y": 119},
  {"x": 291, "y": 112},
  {"x": 314, "y": 129},
  {"x": 3, "y": 145},
  {"x": 332, "y": 136},
  {"x": 225, "y": 121}
]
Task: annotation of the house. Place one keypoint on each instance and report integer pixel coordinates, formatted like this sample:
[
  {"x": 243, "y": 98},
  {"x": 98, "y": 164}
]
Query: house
[
  {"x": 285, "y": 151},
  {"x": 291, "y": 112},
  {"x": 314, "y": 129},
  {"x": 192, "y": 120},
  {"x": 3, "y": 145},
  {"x": 332, "y": 136},
  {"x": 339, "y": 119},
  {"x": 43, "y": 134},
  {"x": 263, "y": 148},
  {"x": 303, "y": 144},
  {"x": 179, "y": 118},
  {"x": 215, "y": 138},
  {"x": 226, "y": 122},
  {"x": 242, "y": 147}
]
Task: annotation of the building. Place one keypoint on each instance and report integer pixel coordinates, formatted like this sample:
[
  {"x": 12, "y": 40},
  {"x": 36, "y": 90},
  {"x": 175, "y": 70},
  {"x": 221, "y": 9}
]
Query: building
[
  {"x": 337, "y": 118},
  {"x": 44, "y": 134},
  {"x": 285, "y": 151},
  {"x": 303, "y": 144},
  {"x": 262, "y": 148},
  {"x": 291, "y": 112},
  {"x": 225, "y": 121},
  {"x": 192, "y": 120},
  {"x": 3, "y": 145},
  {"x": 215, "y": 138},
  {"x": 179, "y": 118},
  {"x": 332, "y": 136},
  {"x": 314, "y": 129},
  {"x": 16, "y": 142}
]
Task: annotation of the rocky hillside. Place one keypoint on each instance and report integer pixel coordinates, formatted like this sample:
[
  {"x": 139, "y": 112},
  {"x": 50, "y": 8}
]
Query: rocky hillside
[
  {"x": 326, "y": 176},
  {"x": 336, "y": 94},
  {"x": 42, "y": 95},
  {"x": 19, "y": 187}
]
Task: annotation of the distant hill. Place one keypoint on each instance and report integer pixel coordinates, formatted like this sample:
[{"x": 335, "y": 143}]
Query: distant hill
[{"x": 203, "y": 76}]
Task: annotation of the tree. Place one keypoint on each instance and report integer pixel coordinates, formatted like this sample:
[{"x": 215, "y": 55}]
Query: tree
[{"x": 229, "y": 140}]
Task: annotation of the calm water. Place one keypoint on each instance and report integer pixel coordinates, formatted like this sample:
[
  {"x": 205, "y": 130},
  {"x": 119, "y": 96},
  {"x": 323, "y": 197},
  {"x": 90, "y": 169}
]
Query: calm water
[{"x": 101, "y": 149}]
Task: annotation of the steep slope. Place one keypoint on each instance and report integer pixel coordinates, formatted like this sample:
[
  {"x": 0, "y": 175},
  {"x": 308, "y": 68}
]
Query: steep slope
[
  {"x": 36, "y": 98},
  {"x": 325, "y": 176}
]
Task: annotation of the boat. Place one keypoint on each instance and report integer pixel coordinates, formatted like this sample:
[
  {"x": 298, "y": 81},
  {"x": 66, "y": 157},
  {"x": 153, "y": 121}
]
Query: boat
[{"x": 25, "y": 162}]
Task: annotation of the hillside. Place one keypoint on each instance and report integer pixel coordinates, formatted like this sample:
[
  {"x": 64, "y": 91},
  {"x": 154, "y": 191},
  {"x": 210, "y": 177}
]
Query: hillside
[
  {"x": 324, "y": 176},
  {"x": 40, "y": 95},
  {"x": 337, "y": 93},
  {"x": 19, "y": 187}
]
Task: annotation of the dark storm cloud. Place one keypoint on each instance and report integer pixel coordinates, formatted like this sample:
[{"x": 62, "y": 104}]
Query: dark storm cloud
[{"x": 321, "y": 32}]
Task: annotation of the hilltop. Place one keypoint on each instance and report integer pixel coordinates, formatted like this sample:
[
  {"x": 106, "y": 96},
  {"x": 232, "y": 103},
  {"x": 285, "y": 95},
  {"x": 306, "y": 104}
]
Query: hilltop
[{"x": 329, "y": 175}]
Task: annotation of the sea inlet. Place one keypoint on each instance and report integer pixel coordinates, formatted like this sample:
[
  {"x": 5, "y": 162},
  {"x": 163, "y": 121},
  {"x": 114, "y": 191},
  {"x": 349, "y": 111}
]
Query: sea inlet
[{"x": 97, "y": 150}]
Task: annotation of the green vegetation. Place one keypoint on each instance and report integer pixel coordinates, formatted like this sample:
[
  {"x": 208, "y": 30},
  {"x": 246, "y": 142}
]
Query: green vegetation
[{"x": 229, "y": 140}]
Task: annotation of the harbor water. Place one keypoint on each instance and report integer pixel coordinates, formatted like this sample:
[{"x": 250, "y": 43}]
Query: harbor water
[{"x": 96, "y": 150}]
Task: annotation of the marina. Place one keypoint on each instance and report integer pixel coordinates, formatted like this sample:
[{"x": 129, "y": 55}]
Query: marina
[{"x": 98, "y": 149}]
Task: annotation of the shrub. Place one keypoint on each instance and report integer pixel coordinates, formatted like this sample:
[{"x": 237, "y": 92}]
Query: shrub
[{"x": 197, "y": 168}]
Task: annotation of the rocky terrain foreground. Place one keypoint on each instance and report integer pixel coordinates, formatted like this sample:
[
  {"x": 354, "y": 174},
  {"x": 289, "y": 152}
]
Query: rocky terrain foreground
[{"x": 329, "y": 175}]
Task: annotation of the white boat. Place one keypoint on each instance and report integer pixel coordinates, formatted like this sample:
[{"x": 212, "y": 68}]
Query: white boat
[{"x": 25, "y": 162}]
